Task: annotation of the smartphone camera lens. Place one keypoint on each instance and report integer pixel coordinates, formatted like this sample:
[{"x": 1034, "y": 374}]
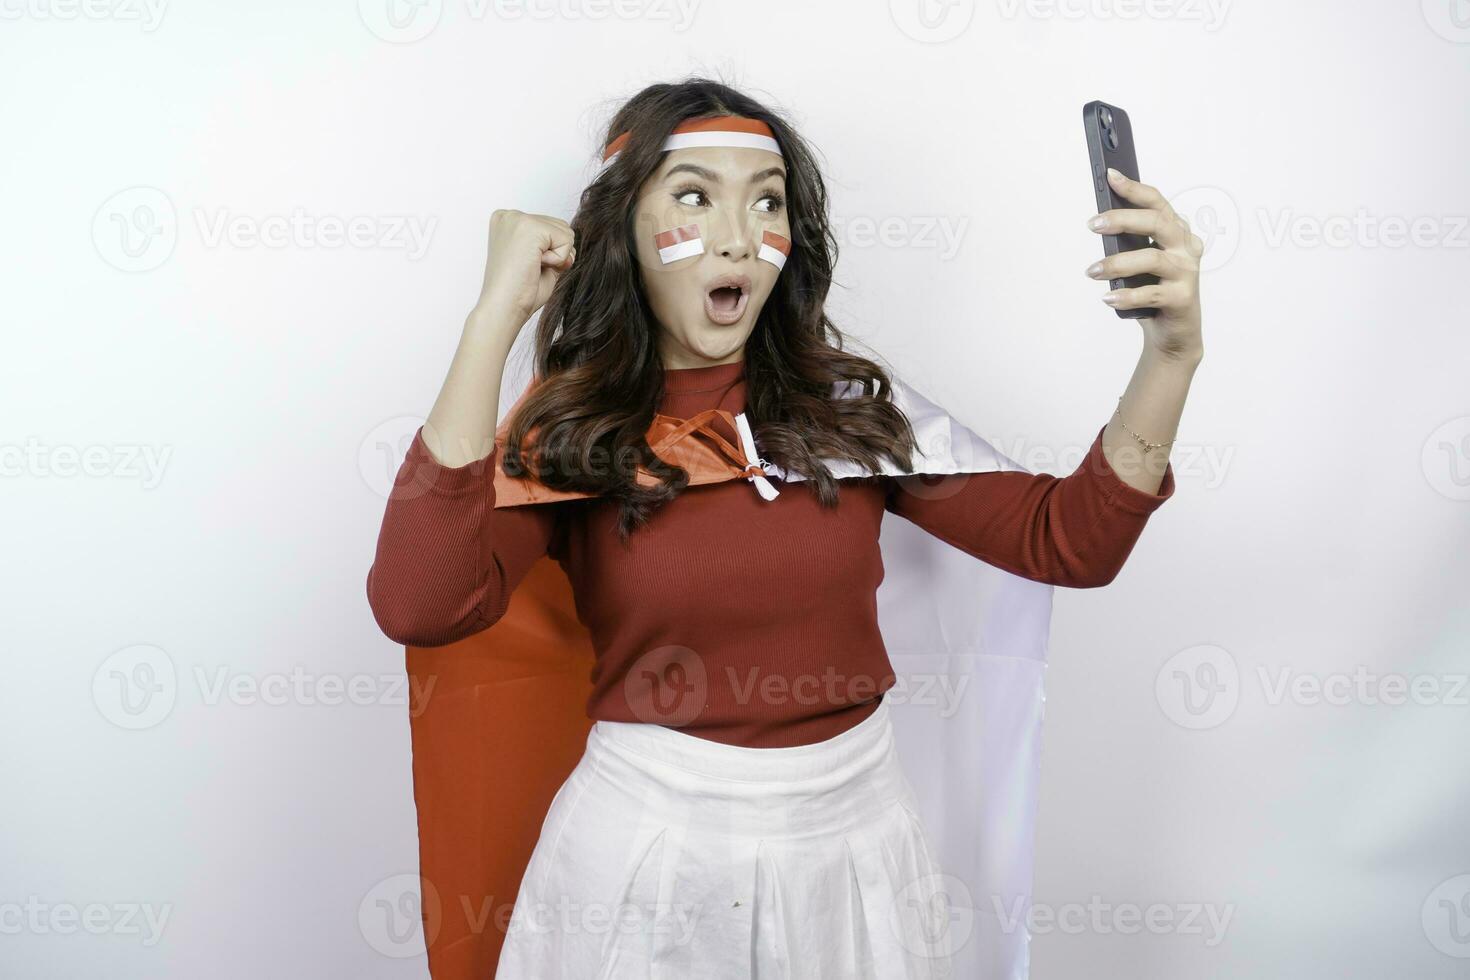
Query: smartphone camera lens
[
  {"x": 1105, "y": 117},
  {"x": 1112, "y": 139}
]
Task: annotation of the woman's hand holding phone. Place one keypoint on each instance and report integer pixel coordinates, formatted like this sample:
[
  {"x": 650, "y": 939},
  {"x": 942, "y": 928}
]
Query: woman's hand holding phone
[{"x": 1175, "y": 330}]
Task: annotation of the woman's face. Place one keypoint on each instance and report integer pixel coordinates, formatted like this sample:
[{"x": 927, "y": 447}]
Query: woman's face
[{"x": 732, "y": 195}]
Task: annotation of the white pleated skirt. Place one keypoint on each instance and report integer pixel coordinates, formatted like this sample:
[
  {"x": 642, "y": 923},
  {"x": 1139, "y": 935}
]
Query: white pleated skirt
[{"x": 665, "y": 855}]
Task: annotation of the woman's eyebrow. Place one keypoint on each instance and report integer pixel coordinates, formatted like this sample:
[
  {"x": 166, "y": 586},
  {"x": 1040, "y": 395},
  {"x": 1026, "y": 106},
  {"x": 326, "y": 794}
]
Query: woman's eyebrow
[{"x": 714, "y": 178}]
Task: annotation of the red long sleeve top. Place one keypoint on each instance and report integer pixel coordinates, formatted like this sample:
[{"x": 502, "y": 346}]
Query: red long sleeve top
[{"x": 776, "y": 600}]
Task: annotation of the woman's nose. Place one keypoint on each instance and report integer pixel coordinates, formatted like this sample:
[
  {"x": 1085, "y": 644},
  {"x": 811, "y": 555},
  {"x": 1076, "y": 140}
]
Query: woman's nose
[{"x": 733, "y": 237}]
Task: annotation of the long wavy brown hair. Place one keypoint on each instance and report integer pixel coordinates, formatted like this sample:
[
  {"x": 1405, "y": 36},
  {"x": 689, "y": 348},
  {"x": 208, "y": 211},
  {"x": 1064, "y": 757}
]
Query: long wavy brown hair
[{"x": 599, "y": 377}]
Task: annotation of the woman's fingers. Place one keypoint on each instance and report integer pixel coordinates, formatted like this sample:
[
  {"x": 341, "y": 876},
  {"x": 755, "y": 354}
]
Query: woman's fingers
[
  {"x": 1174, "y": 260},
  {"x": 1175, "y": 290},
  {"x": 527, "y": 254},
  {"x": 1165, "y": 265},
  {"x": 558, "y": 241},
  {"x": 1137, "y": 193},
  {"x": 1159, "y": 225},
  {"x": 560, "y": 259},
  {"x": 1161, "y": 296},
  {"x": 1152, "y": 214}
]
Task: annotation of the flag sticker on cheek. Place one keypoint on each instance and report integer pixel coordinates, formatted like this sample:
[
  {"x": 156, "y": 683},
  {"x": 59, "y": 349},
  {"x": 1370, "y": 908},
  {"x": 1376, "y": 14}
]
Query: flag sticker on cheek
[
  {"x": 774, "y": 249},
  {"x": 680, "y": 243}
]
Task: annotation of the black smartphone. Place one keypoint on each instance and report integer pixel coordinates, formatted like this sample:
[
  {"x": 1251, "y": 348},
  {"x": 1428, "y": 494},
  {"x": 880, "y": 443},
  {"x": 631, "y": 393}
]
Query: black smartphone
[{"x": 1110, "y": 144}]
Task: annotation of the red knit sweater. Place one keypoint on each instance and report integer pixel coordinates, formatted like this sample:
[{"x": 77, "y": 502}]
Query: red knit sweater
[{"x": 772, "y": 602}]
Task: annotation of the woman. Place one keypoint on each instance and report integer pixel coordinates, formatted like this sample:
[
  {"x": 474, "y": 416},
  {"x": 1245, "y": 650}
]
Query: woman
[{"x": 750, "y": 834}]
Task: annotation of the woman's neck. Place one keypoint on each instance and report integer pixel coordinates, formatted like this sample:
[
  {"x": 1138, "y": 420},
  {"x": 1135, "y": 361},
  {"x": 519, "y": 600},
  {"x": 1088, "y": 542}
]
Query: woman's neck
[{"x": 708, "y": 376}]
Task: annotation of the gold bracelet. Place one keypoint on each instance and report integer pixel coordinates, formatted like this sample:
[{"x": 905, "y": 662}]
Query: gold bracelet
[{"x": 1148, "y": 447}]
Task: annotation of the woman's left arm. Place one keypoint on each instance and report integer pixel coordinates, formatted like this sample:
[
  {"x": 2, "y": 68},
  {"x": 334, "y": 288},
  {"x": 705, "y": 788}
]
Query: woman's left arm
[
  {"x": 1173, "y": 346},
  {"x": 1078, "y": 530}
]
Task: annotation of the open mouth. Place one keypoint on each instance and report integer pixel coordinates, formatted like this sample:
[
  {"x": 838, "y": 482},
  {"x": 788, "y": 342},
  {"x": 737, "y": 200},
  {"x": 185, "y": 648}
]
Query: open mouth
[{"x": 725, "y": 304}]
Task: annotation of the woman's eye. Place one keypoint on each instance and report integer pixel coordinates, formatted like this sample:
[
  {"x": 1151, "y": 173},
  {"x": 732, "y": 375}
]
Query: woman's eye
[
  {"x": 771, "y": 200},
  {"x": 684, "y": 197}
]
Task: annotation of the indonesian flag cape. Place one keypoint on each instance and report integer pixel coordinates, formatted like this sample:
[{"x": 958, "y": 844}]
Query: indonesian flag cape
[{"x": 505, "y": 720}]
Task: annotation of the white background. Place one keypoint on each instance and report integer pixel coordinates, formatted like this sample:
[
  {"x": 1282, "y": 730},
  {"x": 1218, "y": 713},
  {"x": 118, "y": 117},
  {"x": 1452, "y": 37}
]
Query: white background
[{"x": 193, "y": 429}]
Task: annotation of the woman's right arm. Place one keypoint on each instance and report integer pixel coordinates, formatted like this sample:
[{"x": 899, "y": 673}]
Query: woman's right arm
[{"x": 447, "y": 561}]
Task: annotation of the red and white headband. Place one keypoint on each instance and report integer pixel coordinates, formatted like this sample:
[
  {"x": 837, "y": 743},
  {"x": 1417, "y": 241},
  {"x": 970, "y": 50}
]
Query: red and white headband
[{"x": 737, "y": 131}]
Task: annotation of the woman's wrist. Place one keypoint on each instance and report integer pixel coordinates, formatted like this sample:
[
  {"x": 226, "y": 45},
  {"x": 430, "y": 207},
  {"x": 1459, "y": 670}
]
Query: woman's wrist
[
  {"x": 1182, "y": 359},
  {"x": 493, "y": 325}
]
